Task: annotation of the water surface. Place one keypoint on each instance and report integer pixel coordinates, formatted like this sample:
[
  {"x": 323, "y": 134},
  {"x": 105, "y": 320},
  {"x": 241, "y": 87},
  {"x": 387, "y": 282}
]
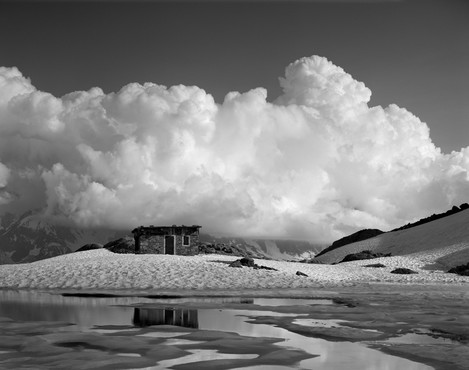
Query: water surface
[{"x": 93, "y": 313}]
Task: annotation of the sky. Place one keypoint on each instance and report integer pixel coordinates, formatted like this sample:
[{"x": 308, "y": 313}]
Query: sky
[{"x": 369, "y": 129}]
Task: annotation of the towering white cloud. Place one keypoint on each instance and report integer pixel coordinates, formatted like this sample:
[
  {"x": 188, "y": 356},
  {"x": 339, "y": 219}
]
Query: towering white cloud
[
  {"x": 316, "y": 163},
  {"x": 4, "y": 175}
]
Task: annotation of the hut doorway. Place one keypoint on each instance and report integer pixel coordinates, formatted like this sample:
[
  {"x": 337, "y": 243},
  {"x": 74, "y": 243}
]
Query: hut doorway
[{"x": 169, "y": 244}]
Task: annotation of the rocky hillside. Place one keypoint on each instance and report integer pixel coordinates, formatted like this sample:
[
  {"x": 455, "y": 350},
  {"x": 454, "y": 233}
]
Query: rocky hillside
[
  {"x": 446, "y": 232},
  {"x": 28, "y": 238},
  {"x": 434, "y": 217},
  {"x": 266, "y": 249},
  {"x": 355, "y": 237},
  {"x": 282, "y": 250}
]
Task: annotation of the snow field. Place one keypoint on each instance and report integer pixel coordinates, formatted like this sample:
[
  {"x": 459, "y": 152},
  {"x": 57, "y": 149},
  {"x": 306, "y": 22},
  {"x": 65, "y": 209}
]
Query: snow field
[{"x": 101, "y": 269}]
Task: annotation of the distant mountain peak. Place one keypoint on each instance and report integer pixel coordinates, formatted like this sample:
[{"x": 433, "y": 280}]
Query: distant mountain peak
[{"x": 30, "y": 237}]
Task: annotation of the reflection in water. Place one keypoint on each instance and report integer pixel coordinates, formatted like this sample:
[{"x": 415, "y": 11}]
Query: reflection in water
[
  {"x": 201, "y": 355},
  {"x": 166, "y": 316},
  {"x": 89, "y": 313}
]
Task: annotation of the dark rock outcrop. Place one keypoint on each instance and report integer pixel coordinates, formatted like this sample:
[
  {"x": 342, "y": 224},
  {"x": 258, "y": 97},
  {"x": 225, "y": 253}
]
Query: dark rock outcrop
[
  {"x": 376, "y": 265},
  {"x": 236, "y": 263},
  {"x": 433, "y": 217},
  {"x": 249, "y": 262},
  {"x": 123, "y": 245},
  {"x": 462, "y": 270},
  {"x": 363, "y": 255},
  {"x": 89, "y": 247},
  {"x": 257, "y": 267},
  {"x": 224, "y": 249},
  {"x": 315, "y": 262},
  {"x": 355, "y": 237},
  {"x": 404, "y": 271}
]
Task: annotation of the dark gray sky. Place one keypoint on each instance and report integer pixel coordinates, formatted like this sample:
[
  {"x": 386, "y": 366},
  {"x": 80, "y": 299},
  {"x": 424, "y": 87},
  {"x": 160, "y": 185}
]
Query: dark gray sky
[{"x": 410, "y": 52}]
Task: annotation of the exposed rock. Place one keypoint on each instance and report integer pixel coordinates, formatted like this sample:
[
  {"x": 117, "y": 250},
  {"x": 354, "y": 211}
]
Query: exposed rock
[
  {"x": 236, "y": 263},
  {"x": 363, "y": 255},
  {"x": 462, "y": 270},
  {"x": 355, "y": 237},
  {"x": 31, "y": 237},
  {"x": 257, "y": 267},
  {"x": 377, "y": 265},
  {"x": 89, "y": 247},
  {"x": 299, "y": 273},
  {"x": 317, "y": 262},
  {"x": 249, "y": 262},
  {"x": 276, "y": 249},
  {"x": 123, "y": 245},
  {"x": 402, "y": 270},
  {"x": 433, "y": 217},
  {"x": 224, "y": 249}
]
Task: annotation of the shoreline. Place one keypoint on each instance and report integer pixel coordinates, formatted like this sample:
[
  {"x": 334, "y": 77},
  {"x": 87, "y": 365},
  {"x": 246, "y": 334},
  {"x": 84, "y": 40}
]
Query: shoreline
[
  {"x": 356, "y": 287},
  {"x": 369, "y": 313}
]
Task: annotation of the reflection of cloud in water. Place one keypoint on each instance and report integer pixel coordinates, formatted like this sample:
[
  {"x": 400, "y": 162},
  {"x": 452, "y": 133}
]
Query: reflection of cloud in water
[
  {"x": 87, "y": 313},
  {"x": 315, "y": 323},
  {"x": 161, "y": 334},
  {"x": 202, "y": 355},
  {"x": 113, "y": 331},
  {"x": 165, "y": 316},
  {"x": 178, "y": 342}
]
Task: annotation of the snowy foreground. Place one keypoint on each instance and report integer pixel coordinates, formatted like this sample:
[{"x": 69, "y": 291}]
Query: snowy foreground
[{"x": 101, "y": 269}]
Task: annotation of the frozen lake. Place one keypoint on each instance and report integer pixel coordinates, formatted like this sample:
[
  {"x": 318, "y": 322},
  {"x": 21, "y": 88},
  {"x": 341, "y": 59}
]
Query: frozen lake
[{"x": 174, "y": 322}]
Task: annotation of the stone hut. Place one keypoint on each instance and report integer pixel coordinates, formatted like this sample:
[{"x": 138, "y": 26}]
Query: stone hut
[
  {"x": 181, "y": 240},
  {"x": 166, "y": 316}
]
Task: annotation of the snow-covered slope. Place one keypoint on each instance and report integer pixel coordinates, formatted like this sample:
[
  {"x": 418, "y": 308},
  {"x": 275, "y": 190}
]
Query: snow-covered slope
[
  {"x": 102, "y": 269},
  {"x": 450, "y": 233}
]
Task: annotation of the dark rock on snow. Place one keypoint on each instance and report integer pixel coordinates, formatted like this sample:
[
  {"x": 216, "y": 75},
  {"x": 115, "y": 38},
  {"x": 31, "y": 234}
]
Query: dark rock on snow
[
  {"x": 355, "y": 237},
  {"x": 404, "y": 271},
  {"x": 89, "y": 247},
  {"x": 123, "y": 245},
  {"x": 377, "y": 265},
  {"x": 363, "y": 255},
  {"x": 257, "y": 267},
  {"x": 462, "y": 270},
  {"x": 249, "y": 262},
  {"x": 236, "y": 263},
  {"x": 315, "y": 262}
]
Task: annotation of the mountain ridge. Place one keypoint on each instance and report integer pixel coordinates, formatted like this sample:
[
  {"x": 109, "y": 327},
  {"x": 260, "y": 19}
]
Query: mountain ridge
[
  {"x": 28, "y": 238},
  {"x": 442, "y": 233}
]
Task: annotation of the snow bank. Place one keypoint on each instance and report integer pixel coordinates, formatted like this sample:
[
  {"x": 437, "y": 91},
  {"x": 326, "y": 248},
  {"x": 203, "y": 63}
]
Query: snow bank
[
  {"x": 101, "y": 269},
  {"x": 436, "y": 237}
]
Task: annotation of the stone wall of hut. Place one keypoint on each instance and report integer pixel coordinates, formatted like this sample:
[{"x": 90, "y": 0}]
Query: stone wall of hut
[{"x": 154, "y": 244}]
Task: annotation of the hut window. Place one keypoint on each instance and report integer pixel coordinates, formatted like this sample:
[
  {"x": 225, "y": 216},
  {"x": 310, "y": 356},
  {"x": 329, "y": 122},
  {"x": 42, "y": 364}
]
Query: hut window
[{"x": 186, "y": 240}]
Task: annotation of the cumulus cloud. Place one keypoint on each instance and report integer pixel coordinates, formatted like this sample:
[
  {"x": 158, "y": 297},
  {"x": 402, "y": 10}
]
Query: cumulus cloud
[{"x": 317, "y": 163}]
